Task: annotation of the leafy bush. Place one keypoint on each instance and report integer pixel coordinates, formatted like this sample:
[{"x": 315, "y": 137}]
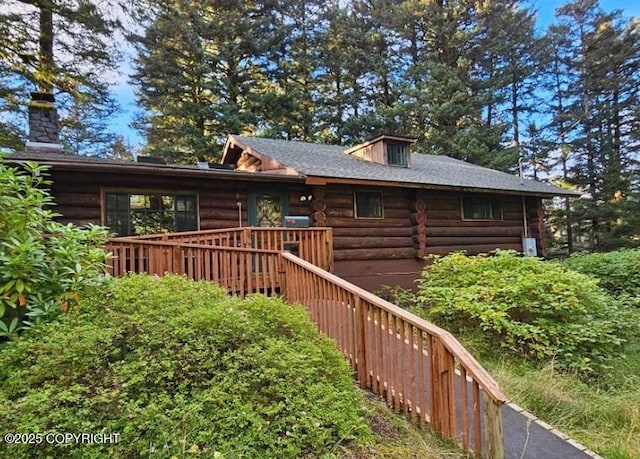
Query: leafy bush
[
  {"x": 618, "y": 272},
  {"x": 400, "y": 296},
  {"x": 43, "y": 264},
  {"x": 526, "y": 306},
  {"x": 175, "y": 366}
]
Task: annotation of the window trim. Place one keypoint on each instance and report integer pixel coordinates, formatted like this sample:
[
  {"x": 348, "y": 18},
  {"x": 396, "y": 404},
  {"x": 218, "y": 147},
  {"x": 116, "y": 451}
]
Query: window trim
[
  {"x": 494, "y": 199},
  {"x": 130, "y": 191},
  {"x": 355, "y": 205},
  {"x": 406, "y": 151}
]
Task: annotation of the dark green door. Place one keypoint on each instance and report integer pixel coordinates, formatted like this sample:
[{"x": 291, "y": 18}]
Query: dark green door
[{"x": 267, "y": 207}]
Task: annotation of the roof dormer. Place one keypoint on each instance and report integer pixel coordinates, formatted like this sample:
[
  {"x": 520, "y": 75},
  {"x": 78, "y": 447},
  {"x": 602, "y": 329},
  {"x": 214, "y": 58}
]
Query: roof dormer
[{"x": 384, "y": 149}]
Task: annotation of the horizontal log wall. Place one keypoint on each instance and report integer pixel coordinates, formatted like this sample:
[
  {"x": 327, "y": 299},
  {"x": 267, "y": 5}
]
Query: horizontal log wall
[
  {"x": 78, "y": 196},
  {"x": 299, "y": 203},
  {"x": 447, "y": 232},
  {"x": 416, "y": 222},
  {"x": 368, "y": 238}
]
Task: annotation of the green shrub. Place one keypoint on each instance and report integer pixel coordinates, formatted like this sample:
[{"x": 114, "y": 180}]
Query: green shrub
[
  {"x": 400, "y": 296},
  {"x": 540, "y": 310},
  {"x": 43, "y": 264},
  {"x": 175, "y": 366},
  {"x": 618, "y": 272}
]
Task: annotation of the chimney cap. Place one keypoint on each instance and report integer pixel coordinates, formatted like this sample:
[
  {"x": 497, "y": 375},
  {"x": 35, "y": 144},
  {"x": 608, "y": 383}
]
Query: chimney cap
[
  {"x": 29, "y": 145},
  {"x": 42, "y": 97}
]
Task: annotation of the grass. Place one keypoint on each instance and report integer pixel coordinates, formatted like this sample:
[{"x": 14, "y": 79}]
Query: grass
[
  {"x": 395, "y": 436},
  {"x": 603, "y": 414}
]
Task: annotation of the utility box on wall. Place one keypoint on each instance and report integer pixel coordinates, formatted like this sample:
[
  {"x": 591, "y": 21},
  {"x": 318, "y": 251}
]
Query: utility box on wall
[
  {"x": 529, "y": 246},
  {"x": 296, "y": 222}
]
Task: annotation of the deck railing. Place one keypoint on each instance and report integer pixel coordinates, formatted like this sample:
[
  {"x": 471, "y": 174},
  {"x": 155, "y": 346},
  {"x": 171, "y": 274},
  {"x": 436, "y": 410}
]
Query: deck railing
[
  {"x": 239, "y": 270},
  {"x": 419, "y": 369},
  {"x": 314, "y": 245}
]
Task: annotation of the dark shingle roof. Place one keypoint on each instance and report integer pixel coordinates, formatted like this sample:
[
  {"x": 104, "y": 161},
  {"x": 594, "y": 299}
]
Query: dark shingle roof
[
  {"x": 58, "y": 160},
  {"x": 329, "y": 161}
]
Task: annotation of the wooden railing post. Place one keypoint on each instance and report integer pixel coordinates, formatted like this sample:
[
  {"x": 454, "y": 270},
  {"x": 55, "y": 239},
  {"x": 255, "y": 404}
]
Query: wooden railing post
[
  {"x": 493, "y": 433},
  {"x": 442, "y": 390},
  {"x": 246, "y": 238},
  {"x": 177, "y": 259},
  {"x": 361, "y": 341},
  {"x": 329, "y": 248},
  {"x": 282, "y": 276}
]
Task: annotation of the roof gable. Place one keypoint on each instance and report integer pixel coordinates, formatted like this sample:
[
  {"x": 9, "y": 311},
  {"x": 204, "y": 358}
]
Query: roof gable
[{"x": 246, "y": 158}]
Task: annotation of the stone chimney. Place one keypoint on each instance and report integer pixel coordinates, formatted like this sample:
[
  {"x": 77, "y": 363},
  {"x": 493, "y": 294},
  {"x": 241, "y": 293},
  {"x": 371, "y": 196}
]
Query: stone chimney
[{"x": 43, "y": 122}]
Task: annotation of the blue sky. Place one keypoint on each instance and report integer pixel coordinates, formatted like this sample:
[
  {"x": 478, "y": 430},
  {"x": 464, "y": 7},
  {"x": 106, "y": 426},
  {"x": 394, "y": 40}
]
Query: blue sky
[{"x": 546, "y": 8}]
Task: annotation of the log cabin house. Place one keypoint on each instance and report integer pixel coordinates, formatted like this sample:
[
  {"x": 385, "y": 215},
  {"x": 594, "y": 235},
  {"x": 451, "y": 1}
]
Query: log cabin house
[{"x": 388, "y": 207}]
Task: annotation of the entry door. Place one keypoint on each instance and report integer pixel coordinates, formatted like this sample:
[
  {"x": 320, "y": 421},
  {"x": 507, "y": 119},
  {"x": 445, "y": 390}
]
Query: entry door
[{"x": 267, "y": 208}]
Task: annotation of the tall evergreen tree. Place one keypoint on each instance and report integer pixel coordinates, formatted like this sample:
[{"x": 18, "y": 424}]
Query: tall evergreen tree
[
  {"x": 85, "y": 130},
  {"x": 509, "y": 65},
  {"x": 197, "y": 76},
  {"x": 598, "y": 119},
  {"x": 292, "y": 65},
  {"x": 60, "y": 46},
  {"x": 447, "y": 90}
]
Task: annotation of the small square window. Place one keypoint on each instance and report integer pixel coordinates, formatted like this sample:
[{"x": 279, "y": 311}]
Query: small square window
[
  {"x": 398, "y": 154},
  {"x": 368, "y": 204},
  {"x": 480, "y": 208}
]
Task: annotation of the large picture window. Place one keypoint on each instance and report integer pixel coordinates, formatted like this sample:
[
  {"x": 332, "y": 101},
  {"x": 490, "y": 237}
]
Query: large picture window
[
  {"x": 137, "y": 213},
  {"x": 368, "y": 204},
  {"x": 481, "y": 208}
]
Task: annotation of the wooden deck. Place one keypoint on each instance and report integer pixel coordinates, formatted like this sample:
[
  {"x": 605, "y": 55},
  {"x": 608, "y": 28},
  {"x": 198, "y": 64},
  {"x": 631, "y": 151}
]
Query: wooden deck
[
  {"x": 419, "y": 369},
  {"x": 314, "y": 245}
]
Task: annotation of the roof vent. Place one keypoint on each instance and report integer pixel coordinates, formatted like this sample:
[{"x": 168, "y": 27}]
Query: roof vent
[
  {"x": 226, "y": 167},
  {"x": 150, "y": 160}
]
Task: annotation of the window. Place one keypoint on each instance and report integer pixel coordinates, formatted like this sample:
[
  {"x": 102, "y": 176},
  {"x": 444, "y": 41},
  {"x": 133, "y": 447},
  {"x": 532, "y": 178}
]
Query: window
[
  {"x": 269, "y": 210},
  {"x": 130, "y": 213},
  {"x": 368, "y": 204},
  {"x": 398, "y": 154},
  {"x": 476, "y": 208}
]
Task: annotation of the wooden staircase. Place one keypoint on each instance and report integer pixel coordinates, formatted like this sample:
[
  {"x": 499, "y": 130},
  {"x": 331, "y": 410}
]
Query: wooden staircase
[{"x": 418, "y": 368}]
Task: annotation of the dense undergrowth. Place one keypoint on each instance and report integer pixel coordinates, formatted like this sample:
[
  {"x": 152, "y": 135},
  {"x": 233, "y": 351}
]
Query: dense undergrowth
[
  {"x": 526, "y": 307},
  {"x": 44, "y": 265},
  {"x": 618, "y": 272},
  {"x": 177, "y": 368},
  {"x": 536, "y": 311}
]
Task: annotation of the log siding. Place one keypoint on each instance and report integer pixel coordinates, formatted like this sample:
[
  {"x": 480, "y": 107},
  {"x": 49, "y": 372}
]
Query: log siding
[
  {"x": 80, "y": 197},
  {"x": 447, "y": 231},
  {"x": 368, "y": 252}
]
